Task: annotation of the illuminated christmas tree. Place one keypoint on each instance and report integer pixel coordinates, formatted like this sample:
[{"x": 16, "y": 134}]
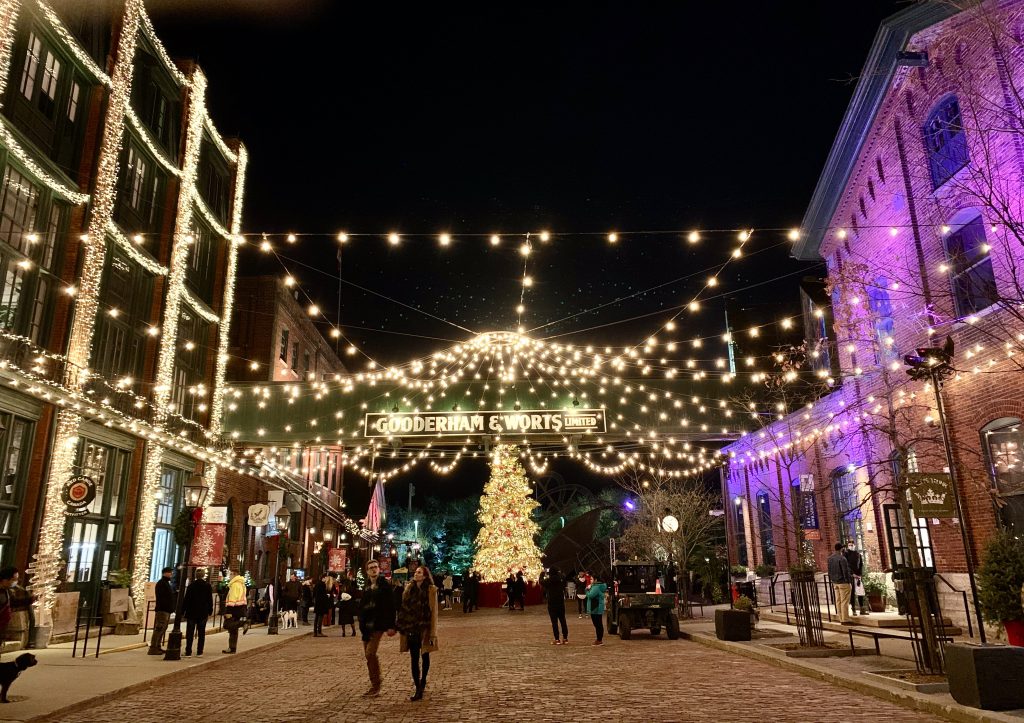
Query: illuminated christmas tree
[{"x": 505, "y": 542}]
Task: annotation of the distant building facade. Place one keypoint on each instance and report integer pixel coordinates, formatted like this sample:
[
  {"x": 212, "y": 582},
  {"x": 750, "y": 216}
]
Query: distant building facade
[{"x": 917, "y": 215}]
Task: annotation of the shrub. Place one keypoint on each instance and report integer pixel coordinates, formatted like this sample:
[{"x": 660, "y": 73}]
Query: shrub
[
  {"x": 764, "y": 570},
  {"x": 1001, "y": 577}
]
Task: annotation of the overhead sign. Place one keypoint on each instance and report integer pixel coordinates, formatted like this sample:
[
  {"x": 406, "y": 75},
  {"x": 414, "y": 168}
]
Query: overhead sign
[
  {"x": 77, "y": 495},
  {"x": 931, "y": 494},
  {"x": 259, "y": 515},
  {"x": 470, "y": 423},
  {"x": 336, "y": 559}
]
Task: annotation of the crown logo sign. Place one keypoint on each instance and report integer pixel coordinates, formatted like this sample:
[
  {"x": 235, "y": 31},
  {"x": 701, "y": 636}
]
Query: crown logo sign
[{"x": 933, "y": 497}]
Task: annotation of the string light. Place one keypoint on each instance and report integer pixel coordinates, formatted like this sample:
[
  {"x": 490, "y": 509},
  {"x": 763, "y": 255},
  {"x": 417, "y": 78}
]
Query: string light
[{"x": 394, "y": 239}]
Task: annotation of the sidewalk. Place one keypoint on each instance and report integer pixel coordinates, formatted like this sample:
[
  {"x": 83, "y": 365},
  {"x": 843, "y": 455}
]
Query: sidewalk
[
  {"x": 60, "y": 683},
  {"x": 848, "y": 672}
]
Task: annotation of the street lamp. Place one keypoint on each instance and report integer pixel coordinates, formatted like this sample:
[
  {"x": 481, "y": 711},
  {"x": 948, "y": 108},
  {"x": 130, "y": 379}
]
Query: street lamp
[
  {"x": 935, "y": 365},
  {"x": 195, "y": 492},
  {"x": 281, "y": 517}
]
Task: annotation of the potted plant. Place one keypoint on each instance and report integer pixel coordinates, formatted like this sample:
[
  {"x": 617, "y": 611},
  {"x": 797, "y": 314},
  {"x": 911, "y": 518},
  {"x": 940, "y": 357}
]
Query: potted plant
[
  {"x": 991, "y": 677},
  {"x": 739, "y": 571},
  {"x": 734, "y": 624},
  {"x": 764, "y": 570},
  {"x": 745, "y": 604},
  {"x": 1000, "y": 580},
  {"x": 877, "y": 590}
]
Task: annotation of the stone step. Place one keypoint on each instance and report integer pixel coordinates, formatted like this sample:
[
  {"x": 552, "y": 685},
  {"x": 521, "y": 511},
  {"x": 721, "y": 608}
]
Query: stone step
[{"x": 874, "y": 620}]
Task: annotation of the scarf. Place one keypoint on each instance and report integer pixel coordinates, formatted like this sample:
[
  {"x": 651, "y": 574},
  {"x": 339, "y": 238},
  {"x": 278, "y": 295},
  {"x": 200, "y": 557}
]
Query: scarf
[{"x": 414, "y": 617}]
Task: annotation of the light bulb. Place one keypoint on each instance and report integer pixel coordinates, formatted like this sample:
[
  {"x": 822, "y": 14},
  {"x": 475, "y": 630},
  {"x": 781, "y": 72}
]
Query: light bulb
[
  {"x": 495, "y": 240},
  {"x": 394, "y": 239}
]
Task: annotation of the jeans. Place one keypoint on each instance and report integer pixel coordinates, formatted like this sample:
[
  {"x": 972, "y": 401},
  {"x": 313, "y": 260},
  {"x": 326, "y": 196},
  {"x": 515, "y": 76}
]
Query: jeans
[
  {"x": 598, "y": 621},
  {"x": 159, "y": 628},
  {"x": 318, "y": 623},
  {"x": 415, "y": 645},
  {"x": 558, "y": 616},
  {"x": 580, "y": 602},
  {"x": 194, "y": 626},
  {"x": 372, "y": 661}
]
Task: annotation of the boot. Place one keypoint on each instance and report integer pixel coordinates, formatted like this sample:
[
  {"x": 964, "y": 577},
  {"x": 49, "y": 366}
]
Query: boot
[{"x": 418, "y": 695}]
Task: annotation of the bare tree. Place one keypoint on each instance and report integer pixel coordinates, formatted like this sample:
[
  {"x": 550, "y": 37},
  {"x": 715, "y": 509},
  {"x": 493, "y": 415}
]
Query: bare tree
[{"x": 654, "y": 498}]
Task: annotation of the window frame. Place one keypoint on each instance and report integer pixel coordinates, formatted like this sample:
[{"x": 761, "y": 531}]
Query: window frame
[
  {"x": 945, "y": 141},
  {"x": 959, "y": 270},
  {"x": 1011, "y": 514}
]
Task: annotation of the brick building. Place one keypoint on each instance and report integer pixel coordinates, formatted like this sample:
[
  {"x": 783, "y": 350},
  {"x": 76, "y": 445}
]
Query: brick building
[
  {"x": 917, "y": 216},
  {"x": 120, "y": 208},
  {"x": 274, "y": 340}
]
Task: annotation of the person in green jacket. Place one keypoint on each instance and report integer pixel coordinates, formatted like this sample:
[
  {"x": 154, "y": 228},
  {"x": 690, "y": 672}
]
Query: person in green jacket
[{"x": 595, "y": 606}]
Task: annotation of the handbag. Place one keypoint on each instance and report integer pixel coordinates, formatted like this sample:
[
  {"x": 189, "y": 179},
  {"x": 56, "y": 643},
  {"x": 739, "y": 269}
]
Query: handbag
[
  {"x": 430, "y": 646},
  {"x": 858, "y": 587}
]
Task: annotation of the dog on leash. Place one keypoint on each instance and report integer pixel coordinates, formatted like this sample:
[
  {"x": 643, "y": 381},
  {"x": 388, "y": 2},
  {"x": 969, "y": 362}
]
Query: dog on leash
[
  {"x": 10, "y": 671},
  {"x": 291, "y": 619}
]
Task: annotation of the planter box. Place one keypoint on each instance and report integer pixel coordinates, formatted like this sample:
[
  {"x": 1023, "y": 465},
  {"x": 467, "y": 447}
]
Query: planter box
[
  {"x": 732, "y": 625},
  {"x": 876, "y": 603},
  {"x": 990, "y": 677}
]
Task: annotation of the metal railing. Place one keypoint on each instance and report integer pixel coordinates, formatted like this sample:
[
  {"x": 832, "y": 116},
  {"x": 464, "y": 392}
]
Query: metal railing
[
  {"x": 967, "y": 609},
  {"x": 87, "y": 610},
  {"x": 771, "y": 597}
]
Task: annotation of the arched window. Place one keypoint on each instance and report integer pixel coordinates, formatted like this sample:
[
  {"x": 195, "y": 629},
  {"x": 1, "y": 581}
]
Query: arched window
[
  {"x": 741, "y": 531},
  {"x": 1003, "y": 440},
  {"x": 945, "y": 141},
  {"x": 971, "y": 274}
]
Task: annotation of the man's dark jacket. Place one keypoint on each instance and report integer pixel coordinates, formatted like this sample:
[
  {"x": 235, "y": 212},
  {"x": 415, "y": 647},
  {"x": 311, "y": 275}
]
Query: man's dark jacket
[
  {"x": 198, "y": 600},
  {"x": 164, "y": 596},
  {"x": 377, "y": 608}
]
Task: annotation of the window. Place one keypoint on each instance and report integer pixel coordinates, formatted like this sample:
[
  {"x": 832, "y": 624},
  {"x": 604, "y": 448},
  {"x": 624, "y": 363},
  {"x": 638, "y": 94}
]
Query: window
[
  {"x": 200, "y": 271},
  {"x": 188, "y": 391},
  {"x": 139, "y": 206},
  {"x": 971, "y": 275},
  {"x": 155, "y": 98},
  {"x": 764, "y": 509},
  {"x": 945, "y": 141},
  {"x": 47, "y": 102},
  {"x": 295, "y": 357},
  {"x": 802, "y": 493},
  {"x": 305, "y": 363},
  {"x": 214, "y": 180},
  {"x": 15, "y": 443},
  {"x": 120, "y": 339},
  {"x": 881, "y": 318},
  {"x": 896, "y": 532},
  {"x": 169, "y": 498},
  {"x": 741, "y": 532},
  {"x": 284, "y": 345},
  {"x": 1004, "y": 444},
  {"x": 847, "y": 503}
]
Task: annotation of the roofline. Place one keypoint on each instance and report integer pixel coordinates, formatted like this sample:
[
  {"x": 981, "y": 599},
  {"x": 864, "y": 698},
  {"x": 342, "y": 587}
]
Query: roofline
[{"x": 875, "y": 78}]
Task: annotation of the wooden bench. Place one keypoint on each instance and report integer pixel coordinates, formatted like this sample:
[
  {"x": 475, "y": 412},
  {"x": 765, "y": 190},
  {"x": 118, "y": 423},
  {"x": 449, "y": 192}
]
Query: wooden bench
[{"x": 878, "y": 633}]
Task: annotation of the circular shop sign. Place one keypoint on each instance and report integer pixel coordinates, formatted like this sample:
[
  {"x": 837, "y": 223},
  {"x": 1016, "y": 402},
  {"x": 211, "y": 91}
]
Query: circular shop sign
[{"x": 77, "y": 495}]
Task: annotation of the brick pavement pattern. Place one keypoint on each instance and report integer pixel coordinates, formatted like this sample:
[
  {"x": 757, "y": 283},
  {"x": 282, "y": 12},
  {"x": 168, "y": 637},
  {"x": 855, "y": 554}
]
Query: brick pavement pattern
[{"x": 496, "y": 666}]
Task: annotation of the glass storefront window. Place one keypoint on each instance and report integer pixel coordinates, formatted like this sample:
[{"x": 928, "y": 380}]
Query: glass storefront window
[
  {"x": 15, "y": 440},
  {"x": 1004, "y": 445}
]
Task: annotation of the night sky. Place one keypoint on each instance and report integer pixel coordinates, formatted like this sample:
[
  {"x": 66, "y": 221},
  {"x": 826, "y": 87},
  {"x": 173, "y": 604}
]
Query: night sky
[{"x": 580, "y": 119}]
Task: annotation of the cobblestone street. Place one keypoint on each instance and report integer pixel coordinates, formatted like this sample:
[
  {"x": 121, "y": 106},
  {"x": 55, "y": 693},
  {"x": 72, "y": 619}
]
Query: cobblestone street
[{"x": 496, "y": 666}]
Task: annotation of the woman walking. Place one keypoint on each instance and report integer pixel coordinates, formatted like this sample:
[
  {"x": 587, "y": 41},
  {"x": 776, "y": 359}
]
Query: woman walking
[
  {"x": 417, "y": 622},
  {"x": 595, "y": 606},
  {"x": 554, "y": 586}
]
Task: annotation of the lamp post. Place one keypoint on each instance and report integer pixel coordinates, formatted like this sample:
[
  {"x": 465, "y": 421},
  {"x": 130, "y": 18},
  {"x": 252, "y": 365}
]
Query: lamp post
[
  {"x": 935, "y": 365},
  {"x": 281, "y": 517},
  {"x": 195, "y": 495}
]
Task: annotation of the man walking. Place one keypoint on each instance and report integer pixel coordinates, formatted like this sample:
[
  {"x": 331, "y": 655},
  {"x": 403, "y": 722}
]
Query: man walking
[
  {"x": 839, "y": 574},
  {"x": 198, "y": 607},
  {"x": 321, "y": 605},
  {"x": 856, "y": 563},
  {"x": 164, "y": 608},
  {"x": 376, "y": 615}
]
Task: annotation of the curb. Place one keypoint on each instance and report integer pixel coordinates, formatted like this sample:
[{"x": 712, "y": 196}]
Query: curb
[
  {"x": 907, "y": 699},
  {"x": 160, "y": 679}
]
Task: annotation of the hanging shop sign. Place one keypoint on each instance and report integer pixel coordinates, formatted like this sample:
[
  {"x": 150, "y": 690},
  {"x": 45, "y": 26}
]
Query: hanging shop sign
[
  {"x": 461, "y": 424},
  {"x": 931, "y": 494},
  {"x": 336, "y": 559},
  {"x": 77, "y": 495},
  {"x": 208, "y": 544},
  {"x": 385, "y": 566},
  {"x": 259, "y": 515}
]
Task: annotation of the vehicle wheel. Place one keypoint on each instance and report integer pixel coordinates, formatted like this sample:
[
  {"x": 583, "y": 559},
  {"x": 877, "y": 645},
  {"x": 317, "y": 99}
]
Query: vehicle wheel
[
  {"x": 672, "y": 627},
  {"x": 625, "y": 631}
]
